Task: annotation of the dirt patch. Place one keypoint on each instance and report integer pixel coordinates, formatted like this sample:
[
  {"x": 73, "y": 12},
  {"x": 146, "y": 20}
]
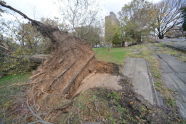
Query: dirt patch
[
  {"x": 100, "y": 80},
  {"x": 105, "y": 67}
]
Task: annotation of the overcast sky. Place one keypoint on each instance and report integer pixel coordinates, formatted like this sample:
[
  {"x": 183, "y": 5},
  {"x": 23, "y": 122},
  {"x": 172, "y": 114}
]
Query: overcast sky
[{"x": 48, "y": 8}]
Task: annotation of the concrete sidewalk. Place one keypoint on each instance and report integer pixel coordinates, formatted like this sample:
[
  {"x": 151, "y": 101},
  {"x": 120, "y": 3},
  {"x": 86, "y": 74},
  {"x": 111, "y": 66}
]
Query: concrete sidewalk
[{"x": 137, "y": 70}]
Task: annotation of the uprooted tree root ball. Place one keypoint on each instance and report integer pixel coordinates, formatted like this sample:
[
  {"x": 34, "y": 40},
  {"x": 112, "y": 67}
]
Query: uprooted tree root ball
[
  {"x": 71, "y": 61},
  {"x": 62, "y": 74}
]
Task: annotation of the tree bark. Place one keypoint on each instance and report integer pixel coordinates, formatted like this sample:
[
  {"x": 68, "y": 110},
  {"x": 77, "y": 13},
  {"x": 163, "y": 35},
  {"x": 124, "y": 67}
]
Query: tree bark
[{"x": 160, "y": 36}]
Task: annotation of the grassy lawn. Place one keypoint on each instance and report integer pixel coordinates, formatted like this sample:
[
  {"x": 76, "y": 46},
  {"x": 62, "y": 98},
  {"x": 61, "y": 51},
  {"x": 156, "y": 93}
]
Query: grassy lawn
[{"x": 115, "y": 55}]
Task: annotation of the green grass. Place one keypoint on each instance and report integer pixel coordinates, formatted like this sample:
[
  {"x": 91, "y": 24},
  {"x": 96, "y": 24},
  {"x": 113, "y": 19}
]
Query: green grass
[
  {"x": 10, "y": 79},
  {"x": 8, "y": 91},
  {"x": 115, "y": 55}
]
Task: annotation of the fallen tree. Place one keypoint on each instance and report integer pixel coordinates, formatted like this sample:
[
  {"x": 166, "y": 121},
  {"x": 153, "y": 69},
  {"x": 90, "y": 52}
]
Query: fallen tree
[{"x": 62, "y": 73}]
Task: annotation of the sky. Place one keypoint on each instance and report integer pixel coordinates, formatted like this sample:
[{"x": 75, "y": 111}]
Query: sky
[{"x": 49, "y": 8}]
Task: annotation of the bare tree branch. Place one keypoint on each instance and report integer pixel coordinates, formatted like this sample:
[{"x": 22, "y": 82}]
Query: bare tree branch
[
  {"x": 45, "y": 30},
  {"x": 168, "y": 16}
]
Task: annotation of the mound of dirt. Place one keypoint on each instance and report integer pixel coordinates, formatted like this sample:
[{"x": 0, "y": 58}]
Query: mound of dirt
[{"x": 94, "y": 80}]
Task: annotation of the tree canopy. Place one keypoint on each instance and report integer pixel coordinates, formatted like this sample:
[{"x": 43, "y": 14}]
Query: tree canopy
[
  {"x": 168, "y": 15},
  {"x": 136, "y": 20}
]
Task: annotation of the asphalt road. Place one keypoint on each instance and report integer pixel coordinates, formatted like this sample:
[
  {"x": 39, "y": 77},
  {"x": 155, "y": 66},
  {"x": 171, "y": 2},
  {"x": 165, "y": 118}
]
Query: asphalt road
[
  {"x": 177, "y": 43},
  {"x": 174, "y": 76}
]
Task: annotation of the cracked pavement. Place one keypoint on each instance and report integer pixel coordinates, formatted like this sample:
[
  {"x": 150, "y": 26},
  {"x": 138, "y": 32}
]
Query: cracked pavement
[{"x": 174, "y": 76}]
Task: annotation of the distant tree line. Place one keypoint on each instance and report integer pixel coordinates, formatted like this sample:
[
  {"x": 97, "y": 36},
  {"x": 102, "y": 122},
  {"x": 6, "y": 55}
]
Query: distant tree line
[{"x": 141, "y": 20}]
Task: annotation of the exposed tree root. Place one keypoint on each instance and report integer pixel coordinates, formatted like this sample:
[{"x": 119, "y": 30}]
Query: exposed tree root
[{"x": 62, "y": 73}]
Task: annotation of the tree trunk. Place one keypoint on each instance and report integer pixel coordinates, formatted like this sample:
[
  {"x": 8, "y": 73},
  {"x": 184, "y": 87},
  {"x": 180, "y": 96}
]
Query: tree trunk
[{"x": 161, "y": 36}]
